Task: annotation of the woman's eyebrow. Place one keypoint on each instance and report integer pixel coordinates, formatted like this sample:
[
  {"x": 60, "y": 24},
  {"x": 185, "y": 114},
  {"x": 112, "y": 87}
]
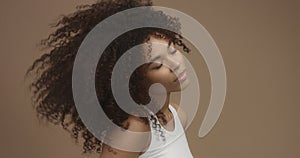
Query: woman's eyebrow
[{"x": 156, "y": 58}]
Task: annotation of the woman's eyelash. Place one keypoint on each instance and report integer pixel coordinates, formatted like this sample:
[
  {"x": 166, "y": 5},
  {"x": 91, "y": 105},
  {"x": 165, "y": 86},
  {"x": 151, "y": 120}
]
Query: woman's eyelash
[
  {"x": 159, "y": 66},
  {"x": 174, "y": 51}
]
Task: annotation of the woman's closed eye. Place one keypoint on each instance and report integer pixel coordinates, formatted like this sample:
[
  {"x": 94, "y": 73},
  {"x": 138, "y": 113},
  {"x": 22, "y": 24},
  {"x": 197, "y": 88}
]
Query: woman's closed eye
[
  {"x": 159, "y": 66},
  {"x": 174, "y": 51}
]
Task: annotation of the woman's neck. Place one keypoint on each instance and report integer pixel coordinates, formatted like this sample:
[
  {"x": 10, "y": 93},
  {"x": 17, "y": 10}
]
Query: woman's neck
[
  {"x": 162, "y": 105},
  {"x": 165, "y": 111},
  {"x": 165, "y": 107}
]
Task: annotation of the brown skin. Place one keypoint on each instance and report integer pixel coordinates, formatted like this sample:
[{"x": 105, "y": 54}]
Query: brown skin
[
  {"x": 165, "y": 74},
  {"x": 168, "y": 64}
]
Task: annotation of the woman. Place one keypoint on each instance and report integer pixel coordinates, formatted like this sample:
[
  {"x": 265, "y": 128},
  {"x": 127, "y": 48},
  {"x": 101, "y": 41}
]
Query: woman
[{"x": 52, "y": 87}]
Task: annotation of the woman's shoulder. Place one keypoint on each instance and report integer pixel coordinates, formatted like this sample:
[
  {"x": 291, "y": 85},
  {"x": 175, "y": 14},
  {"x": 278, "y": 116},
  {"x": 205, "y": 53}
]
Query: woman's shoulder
[
  {"x": 130, "y": 141},
  {"x": 136, "y": 124},
  {"x": 181, "y": 113}
]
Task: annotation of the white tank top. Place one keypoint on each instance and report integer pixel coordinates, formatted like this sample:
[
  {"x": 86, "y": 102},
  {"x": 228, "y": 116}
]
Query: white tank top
[{"x": 175, "y": 144}]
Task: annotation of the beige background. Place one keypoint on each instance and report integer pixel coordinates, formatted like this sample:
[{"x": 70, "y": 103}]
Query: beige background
[{"x": 259, "y": 41}]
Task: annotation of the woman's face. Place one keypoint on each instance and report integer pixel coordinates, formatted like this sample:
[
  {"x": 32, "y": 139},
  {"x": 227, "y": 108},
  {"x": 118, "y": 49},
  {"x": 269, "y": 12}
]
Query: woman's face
[{"x": 167, "y": 63}]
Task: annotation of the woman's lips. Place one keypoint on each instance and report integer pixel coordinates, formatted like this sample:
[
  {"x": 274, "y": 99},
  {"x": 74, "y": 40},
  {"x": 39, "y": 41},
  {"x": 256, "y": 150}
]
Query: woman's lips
[{"x": 182, "y": 77}]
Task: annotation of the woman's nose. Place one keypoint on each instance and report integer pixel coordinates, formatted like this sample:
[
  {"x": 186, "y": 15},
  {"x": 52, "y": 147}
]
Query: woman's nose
[{"x": 172, "y": 63}]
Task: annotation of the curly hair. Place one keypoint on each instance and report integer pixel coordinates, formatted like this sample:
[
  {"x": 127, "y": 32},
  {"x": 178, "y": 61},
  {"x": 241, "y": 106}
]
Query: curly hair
[{"x": 53, "y": 70}]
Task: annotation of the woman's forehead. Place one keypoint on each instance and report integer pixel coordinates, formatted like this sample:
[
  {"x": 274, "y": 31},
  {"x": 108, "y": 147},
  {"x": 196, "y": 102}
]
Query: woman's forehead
[
  {"x": 159, "y": 45},
  {"x": 158, "y": 40}
]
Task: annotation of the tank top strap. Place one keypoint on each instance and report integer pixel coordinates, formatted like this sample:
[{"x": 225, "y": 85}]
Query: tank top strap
[
  {"x": 173, "y": 110},
  {"x": 178, "y": 126}
]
